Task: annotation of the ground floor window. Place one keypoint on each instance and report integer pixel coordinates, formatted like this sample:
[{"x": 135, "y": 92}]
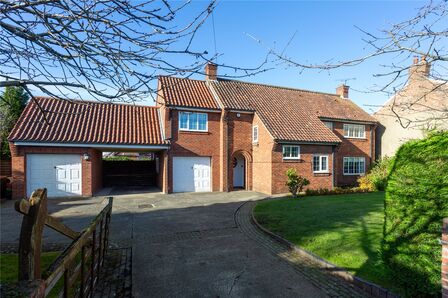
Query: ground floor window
[
  {"x": 354, "y": 165},
  {"x": 291, "y": 152},
  {"x": 320, "y": 163}
]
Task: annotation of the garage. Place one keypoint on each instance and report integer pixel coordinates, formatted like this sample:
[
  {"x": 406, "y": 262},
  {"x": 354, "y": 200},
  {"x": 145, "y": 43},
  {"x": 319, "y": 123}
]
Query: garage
[
  {"x": 61, "y": 174},
  {"x": 191, "y": 174}
]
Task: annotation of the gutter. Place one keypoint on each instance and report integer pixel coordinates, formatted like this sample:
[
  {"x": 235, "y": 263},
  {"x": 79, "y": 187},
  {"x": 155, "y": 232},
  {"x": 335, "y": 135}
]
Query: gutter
[{"x": 92, "y": 145}]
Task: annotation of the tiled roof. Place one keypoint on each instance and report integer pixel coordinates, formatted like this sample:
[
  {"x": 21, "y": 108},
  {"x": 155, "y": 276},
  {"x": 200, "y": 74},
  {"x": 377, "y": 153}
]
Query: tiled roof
[
  {"x": 88, "y": 123},
  {"x": 287, "y": 113},
  {"x": 186, "y": 93}
]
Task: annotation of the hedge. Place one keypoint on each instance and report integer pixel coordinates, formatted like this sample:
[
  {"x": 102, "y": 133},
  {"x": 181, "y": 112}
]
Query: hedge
[{"x": 415, "y": 205}]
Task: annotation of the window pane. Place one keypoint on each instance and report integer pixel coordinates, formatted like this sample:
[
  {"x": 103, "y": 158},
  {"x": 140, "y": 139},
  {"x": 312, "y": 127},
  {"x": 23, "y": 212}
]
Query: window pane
[
  {"x": 183, "y": 120},
  {"x": 202, "y": 119},
  {"x": 316, "y": 164},
  {"x": 255, "y": 134},
  {"x": 324, "y": 163},
  {"x": 294, "y": 151},
  {"x": 286, "y": 151},
  {"x": 193, "y": 121}
]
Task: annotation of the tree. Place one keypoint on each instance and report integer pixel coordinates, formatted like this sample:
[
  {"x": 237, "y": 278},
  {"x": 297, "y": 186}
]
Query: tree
[
  {"x": 425, "y": 35},
  {"x": 12, "y": 103},
  {"x": 110, "y": 49}
]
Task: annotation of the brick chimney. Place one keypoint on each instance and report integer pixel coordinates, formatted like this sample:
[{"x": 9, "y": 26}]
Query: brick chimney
[
  {"x": 342, "y": 91},
  {"x": 211, "y": 71},
  {"x": 419, "y": 69}
]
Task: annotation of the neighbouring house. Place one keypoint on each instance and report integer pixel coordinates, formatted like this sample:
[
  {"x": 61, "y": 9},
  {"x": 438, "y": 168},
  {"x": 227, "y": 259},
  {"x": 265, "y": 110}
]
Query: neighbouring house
[
  {"x": 420, "y": 106},
  {"x": 207, "y": 135}
]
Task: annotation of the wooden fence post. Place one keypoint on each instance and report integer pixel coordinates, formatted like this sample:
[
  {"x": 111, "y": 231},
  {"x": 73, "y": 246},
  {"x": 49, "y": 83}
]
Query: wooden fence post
[
  {"x": 30, "y": 244},
  {"x": 444, "y": 268}
]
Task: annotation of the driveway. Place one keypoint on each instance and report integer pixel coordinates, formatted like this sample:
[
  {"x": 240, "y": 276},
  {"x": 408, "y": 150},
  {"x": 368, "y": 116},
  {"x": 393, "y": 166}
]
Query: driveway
[
  {"x": 189, "y": 245},
  {"x": 193, "y": 245}
]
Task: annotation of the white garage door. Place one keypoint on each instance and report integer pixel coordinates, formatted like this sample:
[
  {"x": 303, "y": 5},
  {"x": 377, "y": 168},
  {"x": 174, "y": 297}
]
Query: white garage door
[
  {"x": 59, "y": 173},
  {"x": 191, "y": 174}
]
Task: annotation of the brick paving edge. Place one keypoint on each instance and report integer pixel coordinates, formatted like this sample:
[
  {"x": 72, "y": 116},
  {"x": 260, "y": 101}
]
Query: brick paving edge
[{"x": 367, "y": 286}]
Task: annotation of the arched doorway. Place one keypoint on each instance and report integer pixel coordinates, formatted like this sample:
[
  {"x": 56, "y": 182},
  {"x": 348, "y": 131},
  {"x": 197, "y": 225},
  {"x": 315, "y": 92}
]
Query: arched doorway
[{"x": 239, "y": 172}]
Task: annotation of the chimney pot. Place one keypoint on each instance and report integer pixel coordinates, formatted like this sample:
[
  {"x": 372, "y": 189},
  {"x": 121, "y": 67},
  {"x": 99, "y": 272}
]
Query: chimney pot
[
  {"x": 211, "y": 71},
  {"x": 342, "y": 91}
]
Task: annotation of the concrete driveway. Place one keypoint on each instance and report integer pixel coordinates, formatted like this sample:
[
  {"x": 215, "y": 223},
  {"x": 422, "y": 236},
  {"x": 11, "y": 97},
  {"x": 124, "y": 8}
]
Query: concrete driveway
[{"x": 191, "y": 245}]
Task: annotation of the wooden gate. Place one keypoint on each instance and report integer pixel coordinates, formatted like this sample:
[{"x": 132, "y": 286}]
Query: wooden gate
[{"x": 75, "y": 271}]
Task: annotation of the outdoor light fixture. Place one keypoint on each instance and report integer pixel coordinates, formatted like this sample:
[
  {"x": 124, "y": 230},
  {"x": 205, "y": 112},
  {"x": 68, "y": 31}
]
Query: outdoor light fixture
[
  {"x": 86, "y": 156},
  {"x": 238, "y": 115}
]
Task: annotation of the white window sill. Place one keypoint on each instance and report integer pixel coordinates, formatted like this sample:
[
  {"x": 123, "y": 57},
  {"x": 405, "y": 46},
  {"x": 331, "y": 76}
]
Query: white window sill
[
  {"x": 291, "y": 158},
  {"x": 192, "y": 130},
  {"x": 359, "y": 174},
  {"x": 321, "y": 172},
  {"x": 356, "y": 138}
]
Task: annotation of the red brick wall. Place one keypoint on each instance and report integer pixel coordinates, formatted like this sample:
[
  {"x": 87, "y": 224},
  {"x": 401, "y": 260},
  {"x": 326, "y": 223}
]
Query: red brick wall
[
  {"x": 185, "y": 143},
  {"x": 303, "y": 166},
  {"x": 352, "y": 148},
  {"x": 240, "y": 143},
  {"x": 262, "y": 159},
  {"x": 91, "y": 169}
]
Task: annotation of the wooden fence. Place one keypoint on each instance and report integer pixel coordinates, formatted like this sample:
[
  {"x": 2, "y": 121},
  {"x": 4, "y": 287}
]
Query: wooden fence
[
  {"x": 74, "y": 273},
  {"x": 5, "y": 167}
]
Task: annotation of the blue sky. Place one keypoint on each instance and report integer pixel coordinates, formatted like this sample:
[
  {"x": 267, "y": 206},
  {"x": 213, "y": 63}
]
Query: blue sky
[{"x": 323, "y": 30}]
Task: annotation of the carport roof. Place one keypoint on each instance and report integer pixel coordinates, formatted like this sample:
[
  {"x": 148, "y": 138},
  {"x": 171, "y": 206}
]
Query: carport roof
[{"x": 50, "y": 120}]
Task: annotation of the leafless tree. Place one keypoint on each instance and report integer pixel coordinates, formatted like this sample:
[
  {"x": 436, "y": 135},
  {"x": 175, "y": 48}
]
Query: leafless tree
[
  {"x": 425, "y": 35},
  {"x": 112, "y": 50}
]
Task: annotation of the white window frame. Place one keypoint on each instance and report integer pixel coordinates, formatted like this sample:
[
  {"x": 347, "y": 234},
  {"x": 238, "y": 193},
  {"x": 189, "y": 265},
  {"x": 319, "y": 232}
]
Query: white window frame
[
  {"x": 188, "y": 121},
  {"x": 350, "y": 128},
  {"x": 255, "y": 133},
  {"x": 354, "y": 159},
  {"x": 321, "y": 156},
  {"x": 328, "y": 124},
  {"x": 291, "y": 157}
]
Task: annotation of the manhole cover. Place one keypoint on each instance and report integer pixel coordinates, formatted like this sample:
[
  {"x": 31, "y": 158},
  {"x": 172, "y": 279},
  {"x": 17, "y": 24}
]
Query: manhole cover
[{"x": 145, "y": 206}]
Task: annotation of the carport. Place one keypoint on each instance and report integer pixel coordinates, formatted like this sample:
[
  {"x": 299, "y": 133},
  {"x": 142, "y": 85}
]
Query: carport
[{"x": 58, "y": 144}]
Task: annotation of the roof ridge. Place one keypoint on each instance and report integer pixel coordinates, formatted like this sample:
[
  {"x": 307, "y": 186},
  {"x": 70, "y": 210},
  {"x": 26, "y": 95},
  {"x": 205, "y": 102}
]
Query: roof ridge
[
  {"x": 180, "y": 78},
  {"x": 281, "y": 87},
  {"x": 81, "y": 101}
]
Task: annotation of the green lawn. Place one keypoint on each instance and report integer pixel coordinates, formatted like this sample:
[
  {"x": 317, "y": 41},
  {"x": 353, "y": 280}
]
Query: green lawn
[
  {"x": 343, "y": 229},
  {"x": 9, "y": 265}
]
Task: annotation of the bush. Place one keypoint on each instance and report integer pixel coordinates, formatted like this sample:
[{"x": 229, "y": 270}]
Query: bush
[
  {"x": 295, "y": 182},
  {"x": 415, "y": 204},
  {"x": 376, "y": 178}
]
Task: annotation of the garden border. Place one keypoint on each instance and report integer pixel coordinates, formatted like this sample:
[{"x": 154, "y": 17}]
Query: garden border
[{"x": 368, "y": 287}]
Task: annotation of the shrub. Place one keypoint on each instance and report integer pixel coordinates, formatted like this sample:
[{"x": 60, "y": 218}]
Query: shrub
[
  {"x": 415, "y": 204},
  {"x": 295, "y": 182},
  {"x": 376, "y": 178}
]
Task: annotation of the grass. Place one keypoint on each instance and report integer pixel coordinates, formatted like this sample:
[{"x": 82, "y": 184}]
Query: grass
[
  {"x": 346, "y": 230},
  {"x": 9, "y": 265}
]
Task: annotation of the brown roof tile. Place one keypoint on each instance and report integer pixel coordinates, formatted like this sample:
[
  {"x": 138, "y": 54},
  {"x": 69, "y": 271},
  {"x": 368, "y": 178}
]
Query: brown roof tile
[
  {"x": 186, "y": 93},
  {"x": 88, "y": 122},
  {"x": 282, "y": 110}
]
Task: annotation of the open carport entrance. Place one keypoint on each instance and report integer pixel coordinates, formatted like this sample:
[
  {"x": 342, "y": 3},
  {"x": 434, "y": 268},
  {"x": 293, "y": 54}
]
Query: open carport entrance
[{"x": 131, "y": 171}]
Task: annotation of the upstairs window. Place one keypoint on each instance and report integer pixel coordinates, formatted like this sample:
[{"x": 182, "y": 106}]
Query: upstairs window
[
  {"x": 356, "y": 131},
  {"x": 320, "y": 163},
  {"x": 193, "y": 121},
  {"x": 291, "y": 152},
  {"x": 329, "y": 125},
  {"x": 354, "y": 165},
  {"x": 255, "y": 134}
]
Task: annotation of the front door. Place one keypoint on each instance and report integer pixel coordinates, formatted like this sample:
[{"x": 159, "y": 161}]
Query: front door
[{"x": 238, "y": 172}]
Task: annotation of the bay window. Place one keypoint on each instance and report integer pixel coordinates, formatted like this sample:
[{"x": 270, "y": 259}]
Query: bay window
[{"x": 354, "y": 165}]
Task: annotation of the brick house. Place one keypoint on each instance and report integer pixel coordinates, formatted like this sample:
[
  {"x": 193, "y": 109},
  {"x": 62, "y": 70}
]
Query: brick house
[{"x": 210, "y": 135}]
